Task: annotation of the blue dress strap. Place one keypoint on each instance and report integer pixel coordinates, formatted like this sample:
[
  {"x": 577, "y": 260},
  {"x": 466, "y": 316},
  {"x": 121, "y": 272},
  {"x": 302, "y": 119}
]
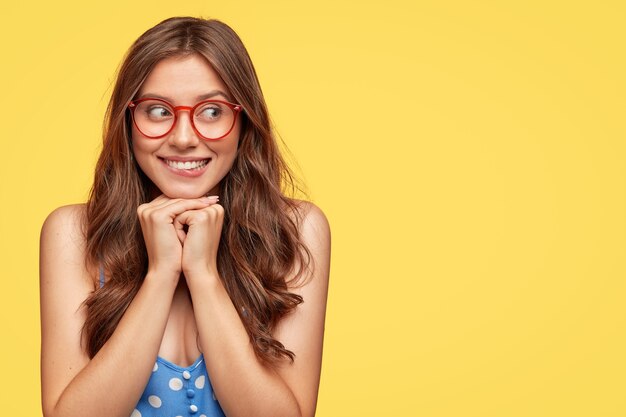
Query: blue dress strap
[{"x": 101, "y": 276}]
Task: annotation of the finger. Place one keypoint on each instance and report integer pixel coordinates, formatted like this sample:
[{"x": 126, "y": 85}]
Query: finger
[
  {"x": 176, "y": 207},
  {"x": 181, "y": 235},
  {"x": 214, "y": 211},
  {"x": 219, "y": 209},
  {"x": 205, "y": 200},
  {"x": 157, "y": 202},
  {"x": 180, "y": 231},
  {"x": 160, "y": 200},
  {"x": 163, "y": 200}
]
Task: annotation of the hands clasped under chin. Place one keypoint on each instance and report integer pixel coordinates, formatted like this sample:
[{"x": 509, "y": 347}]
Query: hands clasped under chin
[{"x": 182, "y": 235}]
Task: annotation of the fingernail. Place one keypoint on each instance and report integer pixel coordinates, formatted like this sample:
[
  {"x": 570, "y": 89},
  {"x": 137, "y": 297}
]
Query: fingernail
[{"x": 211, "y": 199}]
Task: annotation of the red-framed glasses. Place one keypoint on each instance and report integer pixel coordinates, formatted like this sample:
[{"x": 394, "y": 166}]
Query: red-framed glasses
[{"x": 212, "y": 119}]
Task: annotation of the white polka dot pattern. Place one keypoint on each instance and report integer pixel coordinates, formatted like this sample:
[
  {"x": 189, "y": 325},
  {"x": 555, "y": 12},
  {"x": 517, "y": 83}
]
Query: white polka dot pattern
[
  {"x": 200, "y": 382},
  {"x": 176, "y": 384},
  {"x": 175, "y": 391},
  {"x": 154, "y": 401}
]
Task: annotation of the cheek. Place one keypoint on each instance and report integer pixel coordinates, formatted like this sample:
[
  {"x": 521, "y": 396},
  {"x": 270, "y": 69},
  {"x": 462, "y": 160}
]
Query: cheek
[
  {"x": 136, "y": 149},
  {"x": 141, "y": 150},
  {"x": 226, "y": 147},
  {"x": 140, "y": 145},
  {"x": 234, "y": 139}
]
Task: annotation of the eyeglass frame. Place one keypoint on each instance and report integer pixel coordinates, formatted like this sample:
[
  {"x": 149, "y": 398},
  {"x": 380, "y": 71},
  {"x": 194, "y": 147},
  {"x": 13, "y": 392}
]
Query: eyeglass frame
[{"x": 236, "y": 108}]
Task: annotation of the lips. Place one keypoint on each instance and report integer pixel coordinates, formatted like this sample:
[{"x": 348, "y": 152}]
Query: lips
[
  {"x": 189, "y": 167},
  {"x": 187, "y": 164}
]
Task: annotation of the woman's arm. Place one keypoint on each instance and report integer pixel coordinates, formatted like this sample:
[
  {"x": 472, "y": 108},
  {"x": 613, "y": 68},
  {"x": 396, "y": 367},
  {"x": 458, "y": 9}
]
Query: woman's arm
[
  {"x": 112, "y": 382},
  {"x": 243, "y": 386}
]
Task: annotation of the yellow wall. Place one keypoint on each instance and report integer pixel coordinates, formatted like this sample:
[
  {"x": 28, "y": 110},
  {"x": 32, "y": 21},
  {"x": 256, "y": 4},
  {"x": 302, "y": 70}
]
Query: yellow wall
[{"x": 468, "y": 154}]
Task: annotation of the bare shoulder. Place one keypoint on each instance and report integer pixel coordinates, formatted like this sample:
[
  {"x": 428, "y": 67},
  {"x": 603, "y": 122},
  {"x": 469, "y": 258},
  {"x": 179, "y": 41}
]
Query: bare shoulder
[
  {"x": 311, "y": 220},
  {"x": 63, "y": 228},
  {"x": 65, "y": 219},
  {"x": 314, "y": 232},
  {"x": 62, "y": 238}
]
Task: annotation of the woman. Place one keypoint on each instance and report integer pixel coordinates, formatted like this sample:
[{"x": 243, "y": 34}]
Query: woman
[{"x": 159, "y": 301}]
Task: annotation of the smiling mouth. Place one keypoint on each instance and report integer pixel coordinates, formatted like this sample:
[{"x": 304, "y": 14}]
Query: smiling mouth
[{"x": 187, "y": 165}]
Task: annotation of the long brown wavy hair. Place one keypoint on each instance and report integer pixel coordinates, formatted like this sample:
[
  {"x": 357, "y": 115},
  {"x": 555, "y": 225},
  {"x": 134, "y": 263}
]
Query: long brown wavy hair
[{"x": 259, "y": 246}]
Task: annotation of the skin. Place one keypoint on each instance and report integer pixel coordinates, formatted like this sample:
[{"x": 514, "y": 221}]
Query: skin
[
  {"x": 183, "y": 80},
  {"x": 182, "y": 299}
]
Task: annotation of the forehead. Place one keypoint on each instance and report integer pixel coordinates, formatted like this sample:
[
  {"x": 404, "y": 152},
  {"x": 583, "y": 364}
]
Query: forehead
[{"x": 182, "y": 79}]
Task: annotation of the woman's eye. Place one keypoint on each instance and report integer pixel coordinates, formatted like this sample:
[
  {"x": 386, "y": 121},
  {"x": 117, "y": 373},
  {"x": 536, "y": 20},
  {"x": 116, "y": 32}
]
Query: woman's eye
[
  {"x": 158, "y": 112},
  {"x": 210, "y": 112}
]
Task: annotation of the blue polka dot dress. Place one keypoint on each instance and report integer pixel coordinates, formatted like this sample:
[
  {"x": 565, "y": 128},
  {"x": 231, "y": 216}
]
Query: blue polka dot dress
[{"x": 174, "y": 391}]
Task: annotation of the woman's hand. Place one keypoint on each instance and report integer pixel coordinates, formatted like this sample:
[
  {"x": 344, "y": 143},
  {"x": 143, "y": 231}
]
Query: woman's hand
[
  {"x": 199, "y": 256},
  {"x": 163, "y": 235}
]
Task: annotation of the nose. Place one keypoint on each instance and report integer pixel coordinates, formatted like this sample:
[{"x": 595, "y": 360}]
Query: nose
[{"x": 182, "y": 135}]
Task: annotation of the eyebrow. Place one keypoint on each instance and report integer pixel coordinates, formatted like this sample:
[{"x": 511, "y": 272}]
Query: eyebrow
[{"x": 208, "y": 95}]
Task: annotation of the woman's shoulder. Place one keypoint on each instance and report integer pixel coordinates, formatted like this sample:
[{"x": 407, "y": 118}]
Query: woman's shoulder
[
  {"x": 65, "y": 222},
  {"x": 312, "y": 225},
  {"x": 66, "y": 216},
  {"x": 314, "y": 233},
  {"x": 308, "y": 214},
  {"x": 62, "y": 234}
]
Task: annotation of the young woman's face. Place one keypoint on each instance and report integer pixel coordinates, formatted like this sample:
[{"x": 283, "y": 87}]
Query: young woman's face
[{"x": 182, "y": 164}]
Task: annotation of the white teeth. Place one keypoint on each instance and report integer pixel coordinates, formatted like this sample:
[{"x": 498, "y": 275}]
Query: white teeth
[{"x": 188, "y": 164}]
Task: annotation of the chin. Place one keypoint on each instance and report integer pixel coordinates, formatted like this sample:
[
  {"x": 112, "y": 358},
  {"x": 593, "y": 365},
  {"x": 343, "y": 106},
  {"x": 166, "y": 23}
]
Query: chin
[
  {"x": 177, "y": 192},
  {"x": 185, "y": 195}
]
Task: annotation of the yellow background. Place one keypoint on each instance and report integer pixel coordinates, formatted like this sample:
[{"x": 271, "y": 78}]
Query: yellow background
[{"x": 469, "y": 156}]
